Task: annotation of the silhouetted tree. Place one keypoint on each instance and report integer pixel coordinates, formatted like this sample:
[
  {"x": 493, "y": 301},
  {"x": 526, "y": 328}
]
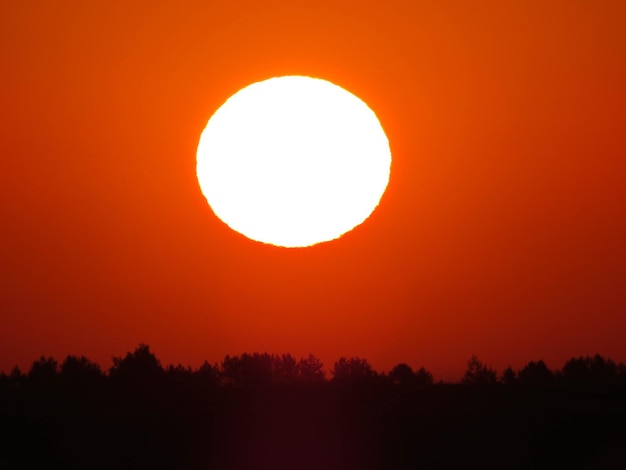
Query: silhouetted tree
[
  {"x": 11, "y": 382},
  {"x": 5, "y": 383},
  {"x": 247, "y": 370},
  {"x": 179, "y": 376},
  {"x": 43, "y": 372},
  {"x": 478, "y": 373},
  {"x": 16, "y": 374},
  {"x": 603, "y": 371},
  {"x": 15, "y": 379},
  {"x": 139, "y": 368},
  {"x": 366, "y": 423},
  {"x": 423, "y": 378},
  {"x": 576, "y": 371},
  {"x": 207, "y": 376},
  {"x": 285, "y": 369},
  {"x": 535, "y": 374},
  {"x": 508, "y": 376},
  {"x": 621, "y": 372},
  {"x": 80, "y": 368},
  {"x": 589, "y": 370},
  {"x": 80, "y": 374},
  {"x": 179, "y": 371},
  {"x": 354, "y": 369},
  {"x": 402, "y": 375},
  {"x": 310, "y": 370}
]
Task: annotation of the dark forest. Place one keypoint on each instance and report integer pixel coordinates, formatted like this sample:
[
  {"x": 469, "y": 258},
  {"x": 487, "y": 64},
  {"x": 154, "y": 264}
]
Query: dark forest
[{"x": 263, "y": 411}]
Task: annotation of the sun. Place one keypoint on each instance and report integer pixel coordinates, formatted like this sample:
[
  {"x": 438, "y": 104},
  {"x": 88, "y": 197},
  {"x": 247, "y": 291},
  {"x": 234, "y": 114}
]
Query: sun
[{"x": 293, "y": 161}]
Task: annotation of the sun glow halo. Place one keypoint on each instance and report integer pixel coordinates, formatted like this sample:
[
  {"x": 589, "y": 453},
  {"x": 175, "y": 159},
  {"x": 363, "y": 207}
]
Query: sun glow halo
[{"x": 293, "y": 161}]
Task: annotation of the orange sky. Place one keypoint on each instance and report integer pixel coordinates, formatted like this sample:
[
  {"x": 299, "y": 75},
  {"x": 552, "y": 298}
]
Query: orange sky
[{"x": 502, "y": 232}]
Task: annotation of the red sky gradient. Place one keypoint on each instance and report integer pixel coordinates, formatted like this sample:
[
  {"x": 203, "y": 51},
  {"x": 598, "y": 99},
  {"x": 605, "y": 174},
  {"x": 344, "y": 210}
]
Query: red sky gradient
[{"x": 502, "y": 232}]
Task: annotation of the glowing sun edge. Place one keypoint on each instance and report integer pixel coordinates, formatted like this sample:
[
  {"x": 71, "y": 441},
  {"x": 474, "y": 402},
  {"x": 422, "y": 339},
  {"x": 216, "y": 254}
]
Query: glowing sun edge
[{"x": 254, "y": 147}]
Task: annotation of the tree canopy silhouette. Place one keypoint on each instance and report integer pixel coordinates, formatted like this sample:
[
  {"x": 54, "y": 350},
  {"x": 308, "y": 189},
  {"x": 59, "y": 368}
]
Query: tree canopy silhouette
[
  {"x": 353, "y": 369},
  {"x": 590, "y": 370},
  {"x": 43, "y": 372},
  {"x": 272, "y": 406},
  {"x": 478, "y": 373},
  {"x": 404, "y": 376},
  {"x": 310, "y": 370},
  {"x": 535, "y": 374},
  {"x": 139, "y": 368},
  {"x": 508, "y": 377}
]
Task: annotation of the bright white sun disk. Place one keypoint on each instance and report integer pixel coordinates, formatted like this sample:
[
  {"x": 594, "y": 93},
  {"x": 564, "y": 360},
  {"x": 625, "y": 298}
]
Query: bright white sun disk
[{"x": 293, "y": 161}]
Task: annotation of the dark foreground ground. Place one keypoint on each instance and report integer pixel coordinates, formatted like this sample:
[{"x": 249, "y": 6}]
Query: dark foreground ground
[{"x": 326, "y": 427}]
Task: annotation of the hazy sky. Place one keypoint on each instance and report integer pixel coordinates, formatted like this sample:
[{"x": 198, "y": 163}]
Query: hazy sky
[{"x": 502, "y": 232}]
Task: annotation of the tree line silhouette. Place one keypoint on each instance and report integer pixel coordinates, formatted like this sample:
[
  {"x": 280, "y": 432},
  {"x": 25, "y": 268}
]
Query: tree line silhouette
[
  {"x": 142, "y": 368},
  {"x": 259, "y": 410}
]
